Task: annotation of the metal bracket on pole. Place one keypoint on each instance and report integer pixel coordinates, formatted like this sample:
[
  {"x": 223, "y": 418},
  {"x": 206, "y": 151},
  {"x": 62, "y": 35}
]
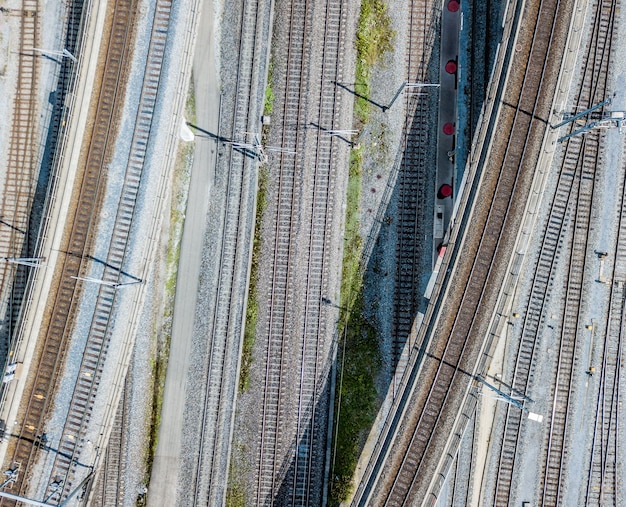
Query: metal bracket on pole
[
  {"x": 575, "y": 117},
  {"x": 31, "y": 262},
  {"x": 115, "y": 285},
  {"x": 410, "y": 86},
  {"x": 340, "y": 132},
  {"x": 505, "y": 397},
  {"x": 55, "y": 52},
  {"x": 586, "y": 128}
]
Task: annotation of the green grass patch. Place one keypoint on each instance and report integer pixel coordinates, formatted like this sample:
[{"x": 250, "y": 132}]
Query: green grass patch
[
  {"x": 374, "y": 37},
  {"x": 359, "y": 357},
  {"x": 252, "y": 310},
  {"x": 235, "y": 491},
  {"x": 268, "y": 103},
  {"x": 356, "y": 403}
]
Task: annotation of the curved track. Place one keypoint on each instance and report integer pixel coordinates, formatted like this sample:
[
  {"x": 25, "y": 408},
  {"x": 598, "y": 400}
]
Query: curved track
[{"x": 421, "y": 432}]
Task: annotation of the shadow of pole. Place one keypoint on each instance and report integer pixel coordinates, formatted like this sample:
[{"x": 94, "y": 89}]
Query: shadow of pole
[
  {"x": 333, "y": 134},
  {"x": 40, "y": 442},
  {"x": 209, "y": 134},
  {"x": 357, "y": 94},
  {"x": 103, "y": 263},
  {"x": 246, "y": 152},
  {"x": 11, "y": 226},
  {"x": 480, "y": 379}
]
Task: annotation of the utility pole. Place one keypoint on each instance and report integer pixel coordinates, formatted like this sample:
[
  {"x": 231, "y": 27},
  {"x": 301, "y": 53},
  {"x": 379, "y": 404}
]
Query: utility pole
[
  {"x": 31, "y": 262},
  {"x": 98, "y": 281},
  {"x": 63, "y": 54}
]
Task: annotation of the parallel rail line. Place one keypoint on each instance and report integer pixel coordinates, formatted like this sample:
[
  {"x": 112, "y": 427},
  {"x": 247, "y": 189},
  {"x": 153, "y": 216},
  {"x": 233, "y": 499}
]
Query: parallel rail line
[
  {"x": 415, "y": 183},
  {"x": 54, "y": 344},
  {"x": 603, "y": 485},
  {"x": 208, "y": 483},
  {"x": 423, "y": 427},
  {"x": 98, "y": 339},
  {"x": 111, "y": 485},
  {"x": 293, "y": 108},
  {"x": 23, "y": 158},
  {"x": 293, "y": 427},
  {"x": 557, "y": 438},
  {"x": 311, "y": 422},
  {"x": 573, "y": 192}
]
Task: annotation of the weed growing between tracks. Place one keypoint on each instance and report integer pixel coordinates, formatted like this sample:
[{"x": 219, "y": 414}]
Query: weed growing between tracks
[
  {"x": 180, "y": 189},
  {"x": 356, "y": 403},
  {"x": 252, "y": 310},
  {"x": 235, "y": 492}
]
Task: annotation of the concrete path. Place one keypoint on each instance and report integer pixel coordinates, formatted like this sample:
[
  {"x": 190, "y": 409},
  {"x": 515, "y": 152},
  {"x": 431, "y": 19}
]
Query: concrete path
[{"x": 164, "y": 479}]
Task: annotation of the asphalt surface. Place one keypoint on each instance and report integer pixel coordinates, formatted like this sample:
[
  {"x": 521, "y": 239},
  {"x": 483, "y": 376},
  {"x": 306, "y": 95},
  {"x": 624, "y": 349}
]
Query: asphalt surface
[{"x": 164, "y": 479}]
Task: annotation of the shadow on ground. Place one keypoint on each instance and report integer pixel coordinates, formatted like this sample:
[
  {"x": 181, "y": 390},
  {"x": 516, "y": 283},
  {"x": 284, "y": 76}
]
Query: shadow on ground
[{"x": 393, "y": 290}]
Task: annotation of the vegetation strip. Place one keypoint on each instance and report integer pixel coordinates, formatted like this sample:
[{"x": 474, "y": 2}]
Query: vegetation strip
[
  {"x": 356, "y": 402},
  {"x": 180, "y": 188}
]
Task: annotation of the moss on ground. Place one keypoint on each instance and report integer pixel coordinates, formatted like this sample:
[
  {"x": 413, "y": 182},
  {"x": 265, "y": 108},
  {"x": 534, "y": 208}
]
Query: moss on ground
[
  {"x": 268, "y": 103},
  {"x": 359, "y": 356},
  {"x": 357, "y": 398},
  {"x": 235, "y": 491}
]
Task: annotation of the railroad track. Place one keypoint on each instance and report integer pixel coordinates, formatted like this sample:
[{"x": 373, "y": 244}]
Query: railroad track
[
  {"x": 54, "y": 344},
  {"x": 534, "y": 317},
  {"x": 20, "y": 297},
  {"x": 239, "y": 114},
  {"x": 293, "y": 429},
  {"x": 416, "y": 185},
  {"x": 292, "y": 110},
  {"x": 22, "y": 166},
  {"x": 574, "y": 192},
  {"x": 461, "y": 474},
  {"x": 571, "y": 320},
  {"x": 19, "y": 284},
  {"x": 444, "y": 366},
  {"x": 110, "y": 486},
  {"x": 480, "y": 58},
  {"x": 603, "y": 475},
  {"x": 311, "y": 429},
  {"x": 113, "y": 275}
]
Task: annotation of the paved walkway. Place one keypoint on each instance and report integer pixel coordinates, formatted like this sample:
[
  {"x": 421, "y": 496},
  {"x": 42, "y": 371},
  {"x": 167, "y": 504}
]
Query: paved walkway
[{"x": 165, "y": 470}]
